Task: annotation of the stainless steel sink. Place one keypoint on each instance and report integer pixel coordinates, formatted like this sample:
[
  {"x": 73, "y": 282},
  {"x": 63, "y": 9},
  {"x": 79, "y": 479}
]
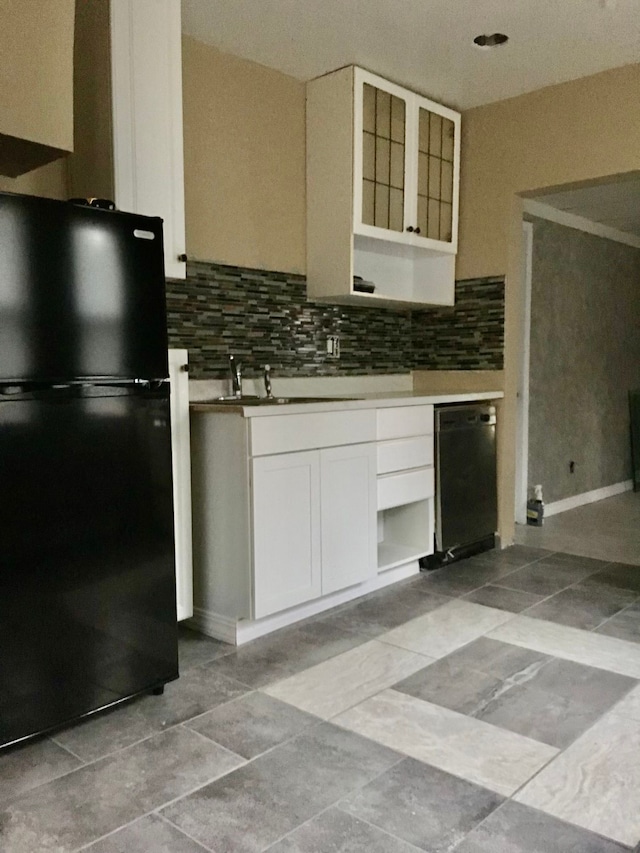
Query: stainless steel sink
[{"x": 273, "y": 401}]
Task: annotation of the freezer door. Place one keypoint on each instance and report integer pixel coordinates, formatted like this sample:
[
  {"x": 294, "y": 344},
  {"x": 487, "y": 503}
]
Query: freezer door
[
  {"x": 87, "y": 579},
  {"x": 82, "y": 292}
]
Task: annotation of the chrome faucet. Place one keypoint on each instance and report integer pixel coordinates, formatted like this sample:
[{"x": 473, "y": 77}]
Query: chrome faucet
[
  {"x": 267, "y": 380},
  {"x": 236, "y": 376}
]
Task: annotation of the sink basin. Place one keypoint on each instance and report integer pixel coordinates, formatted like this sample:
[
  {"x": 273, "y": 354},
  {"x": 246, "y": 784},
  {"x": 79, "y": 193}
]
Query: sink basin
[{"x": 272, "y": 401}]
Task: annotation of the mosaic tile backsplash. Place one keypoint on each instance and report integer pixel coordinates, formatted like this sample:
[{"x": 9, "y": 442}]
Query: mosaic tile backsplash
[
  {"x": 264, "y": 316},
  {"x": 469, "y": 336}
]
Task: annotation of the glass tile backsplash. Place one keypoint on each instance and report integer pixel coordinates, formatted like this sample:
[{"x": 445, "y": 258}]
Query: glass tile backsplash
[{"x": 264, "y": 316}]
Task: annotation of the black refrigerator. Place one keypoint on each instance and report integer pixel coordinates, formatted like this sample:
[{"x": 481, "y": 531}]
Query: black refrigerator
[{"x": 87, "y": 567}]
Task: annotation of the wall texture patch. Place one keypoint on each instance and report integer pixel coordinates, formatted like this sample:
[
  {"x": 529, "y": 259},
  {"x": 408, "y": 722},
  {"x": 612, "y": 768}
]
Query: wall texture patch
[
  {"x": 265, "y": 317},
  {"x": 585, "y": 358}
]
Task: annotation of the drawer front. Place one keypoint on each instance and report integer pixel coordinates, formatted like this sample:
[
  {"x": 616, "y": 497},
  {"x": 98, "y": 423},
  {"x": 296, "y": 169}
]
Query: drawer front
[
  {"x": 404, "y": 421},
  {"x": 399, "y": 489},
  {"x": 288, "y": 433},
  {"x": 404, "y": 453}
]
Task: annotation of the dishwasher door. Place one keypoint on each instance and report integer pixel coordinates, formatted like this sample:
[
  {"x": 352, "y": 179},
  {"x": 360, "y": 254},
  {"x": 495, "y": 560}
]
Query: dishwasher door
[{"x": 466, "y": 480}]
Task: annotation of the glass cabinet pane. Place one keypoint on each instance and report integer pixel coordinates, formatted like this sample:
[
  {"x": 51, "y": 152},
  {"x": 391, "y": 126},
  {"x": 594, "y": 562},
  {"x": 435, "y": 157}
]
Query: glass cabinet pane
[
  {"x": 448, "y": 135},
  {"x": 397, "y": 166},
  {"x": 446, "y": 212},
  {"x": 369, "y": 109},
  {"x": 368, "y": 201},
  {"x": 396, "y": 209},
  {"x": 435, "y": 135},
  {"x": 381, "y": 218},
  {"x": 383, "y": 159},
  {"x": 368, "y": 156},
  {"x": 435, "y": 175}
]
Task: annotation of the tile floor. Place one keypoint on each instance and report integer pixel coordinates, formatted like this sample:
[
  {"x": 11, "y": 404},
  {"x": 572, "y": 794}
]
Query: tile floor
[
  {"x": 490, "y": 707},
  {"x": 607, "y": 529}
]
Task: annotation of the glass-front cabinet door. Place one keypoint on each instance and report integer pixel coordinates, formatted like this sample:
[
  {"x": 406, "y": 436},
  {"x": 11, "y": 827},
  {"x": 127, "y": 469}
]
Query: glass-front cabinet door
[
  {"x": 435, "y": 184},
  {"x": 405, "y": 166},
  {"x": 381, "y": 185}
]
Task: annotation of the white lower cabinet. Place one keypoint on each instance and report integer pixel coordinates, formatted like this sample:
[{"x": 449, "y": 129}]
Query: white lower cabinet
[
  {"x": 348, "y": 501},
  {"x": 285, "y": 499},
  {"x": 289, "y": 509},
  {"x": 313, "y": 524}
]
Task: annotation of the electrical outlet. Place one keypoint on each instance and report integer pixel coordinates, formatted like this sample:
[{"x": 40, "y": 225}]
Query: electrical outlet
[{"x": 333, "y": 346}]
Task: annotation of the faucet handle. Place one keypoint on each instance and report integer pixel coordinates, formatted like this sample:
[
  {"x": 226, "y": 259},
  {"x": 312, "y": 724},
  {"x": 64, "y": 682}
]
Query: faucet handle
[
  {"x": 235, "y": 368},
  {"x": 267, "y": 380}
]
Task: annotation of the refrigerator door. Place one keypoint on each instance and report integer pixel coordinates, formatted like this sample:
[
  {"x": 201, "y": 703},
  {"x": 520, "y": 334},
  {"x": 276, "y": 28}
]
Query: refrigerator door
[
  {"x": 87, "y": 580},
  {"x": 82, "y": 292}
]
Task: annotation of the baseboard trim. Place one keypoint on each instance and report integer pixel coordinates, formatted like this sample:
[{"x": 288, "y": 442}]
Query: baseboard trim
[
  {"x": 213, "y": 625},
  {"x": 587, "y": 497},
  {"x": 243, "y": 631}
]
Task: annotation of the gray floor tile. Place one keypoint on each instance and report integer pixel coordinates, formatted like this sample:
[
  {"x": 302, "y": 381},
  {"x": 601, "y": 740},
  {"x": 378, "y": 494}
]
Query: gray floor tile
[
  {"x": 458, "y": 688},
  {"x": 595, "y": 782},
  {"x": 285, "y": 653},
  {"x": 501, "y": 660},
  {"x": 624, "y": 626},
  {"x": 558, "y": 704},
  {"x": 516, "y": 556},
  {"x": 277, "y": 792},
  {"x": 618, "y": 575},
  {"x": 195, "y": 649},
  {"x": 597, "y": 688},
  {"x": 515, "y": 828},
  {"x": 95, "y": 800},
  {"x": 513, "y": 600},
  {"x": 425, "y": 806},
  {"x": 28, "y": 765},
  {"x": 252, "y": 724},
  {"x": 582, "y": 606},
  {"x": 464, "y": 576},
  {"x": 588, "y": 563},
  {"x": 384, "y": 610},
  {"x": 334, "y": 830},
  {"x": 150, "y": 834},
  {"x": 545, "y": 578},
  {"x": 198, "y": 690},
  {"x": 545, "y": 717}
]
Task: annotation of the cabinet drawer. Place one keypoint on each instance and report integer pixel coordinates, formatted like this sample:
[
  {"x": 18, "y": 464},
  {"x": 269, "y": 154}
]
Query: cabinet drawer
[
  {"x": 404, "y": 453},
  {"x": 288, "y": 433},
  {"x": 404, "y": 421},
  {"x": 399, "y": 489}
]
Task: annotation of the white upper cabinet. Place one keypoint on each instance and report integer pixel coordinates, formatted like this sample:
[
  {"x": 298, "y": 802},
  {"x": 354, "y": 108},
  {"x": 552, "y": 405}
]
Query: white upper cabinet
[
  {"x": 147, "y": 117},
  {"x": 383, "y": 167},
  {"x": 406, "y": 166}
]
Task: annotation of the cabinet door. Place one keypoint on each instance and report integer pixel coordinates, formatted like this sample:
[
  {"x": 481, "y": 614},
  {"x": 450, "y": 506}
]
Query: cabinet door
[
  {"x": 381, "y": 200},
  {"x": 286, "y": 531},
  {"x": 348, "y": 478},
  {"x": 435, "y": 150},
  {"x": 181, "y": 468},
  {"x": 146, "y": 72}
]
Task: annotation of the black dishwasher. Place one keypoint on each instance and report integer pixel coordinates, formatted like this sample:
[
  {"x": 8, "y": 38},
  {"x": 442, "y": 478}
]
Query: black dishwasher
[{"x": 466, "y": 480}]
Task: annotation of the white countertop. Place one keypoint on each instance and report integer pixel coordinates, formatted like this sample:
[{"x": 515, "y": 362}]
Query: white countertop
[{"x": 377, "y": 400}]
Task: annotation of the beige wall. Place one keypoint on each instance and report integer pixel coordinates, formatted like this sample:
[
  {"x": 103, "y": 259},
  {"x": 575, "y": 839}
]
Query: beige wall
[
  {"x": 457, "y": 381},
  {"x": 36, "y": 77},
  {"x": 573, "y": 133},
  {"x": 578, "y": 131},
  {"x": 49, "y": 181},
  {"x": 91, "y": 164},
  {"x": 244, "y": 148}
]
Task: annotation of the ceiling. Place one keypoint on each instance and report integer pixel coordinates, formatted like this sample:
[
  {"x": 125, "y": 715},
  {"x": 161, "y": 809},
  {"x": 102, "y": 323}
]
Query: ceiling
[
  {"x": 615, "y": 204},
  {"x": 427, "y": 44}
]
